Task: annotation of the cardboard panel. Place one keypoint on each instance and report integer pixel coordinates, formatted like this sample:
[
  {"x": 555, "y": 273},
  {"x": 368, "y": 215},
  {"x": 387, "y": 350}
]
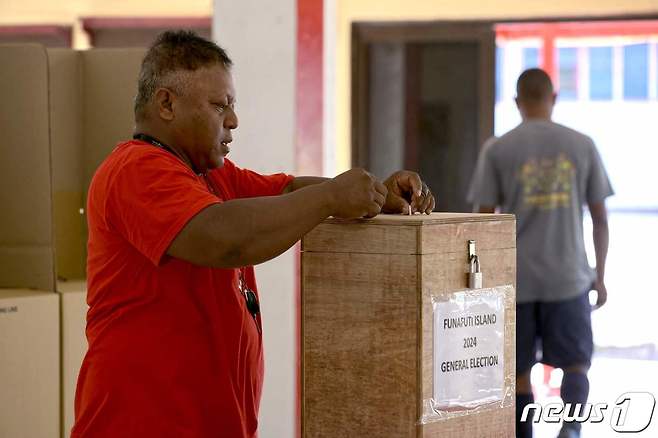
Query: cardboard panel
[
  {"x": 29, "y": 364},
  {"x": 26, "y": 236},
  {"x": 74, "y": 344},
  {"x": 109, "y": 88},
  {"x": 67, "y": 163},
  {"x": 91, "y": 110}
]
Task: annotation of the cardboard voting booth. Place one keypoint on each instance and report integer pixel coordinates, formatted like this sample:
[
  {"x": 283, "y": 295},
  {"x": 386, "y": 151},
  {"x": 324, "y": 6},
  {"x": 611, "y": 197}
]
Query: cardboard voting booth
[
  {"x": 29, "y": 314},
  {"x": 65, "y": 111},
  {"x": 90, "y": 106},
  {"x": 393, "y": 342}
]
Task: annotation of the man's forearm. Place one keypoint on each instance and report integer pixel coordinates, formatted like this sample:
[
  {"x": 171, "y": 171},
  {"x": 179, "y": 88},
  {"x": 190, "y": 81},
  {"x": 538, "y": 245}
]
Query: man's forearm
[
  {"x": 285, "y": 223},
  {"x": 303, "y": 181},
  {"x": 248, "y": 231},
  {"x": 600, "y": 235}
]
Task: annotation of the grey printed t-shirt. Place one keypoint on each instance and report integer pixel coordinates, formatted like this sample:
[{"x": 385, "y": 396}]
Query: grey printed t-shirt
[{"x": 543, "y": 173}]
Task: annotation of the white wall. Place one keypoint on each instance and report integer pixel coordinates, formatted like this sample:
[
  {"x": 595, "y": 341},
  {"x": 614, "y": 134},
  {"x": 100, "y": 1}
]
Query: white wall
[{"x": 260, "y": 36}]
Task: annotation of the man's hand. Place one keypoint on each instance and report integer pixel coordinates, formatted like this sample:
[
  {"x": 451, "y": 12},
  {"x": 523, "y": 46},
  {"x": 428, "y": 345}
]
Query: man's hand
[
  {"x": 600, "y": 236},
  {"x": 407, "y": 194},
  {"x": 355, "y": 194},
  {"x": 602, "y": 293}
]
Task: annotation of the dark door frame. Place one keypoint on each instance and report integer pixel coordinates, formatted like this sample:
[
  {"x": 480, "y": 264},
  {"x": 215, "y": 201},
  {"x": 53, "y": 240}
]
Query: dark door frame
[{"x": 365, "y": 33}]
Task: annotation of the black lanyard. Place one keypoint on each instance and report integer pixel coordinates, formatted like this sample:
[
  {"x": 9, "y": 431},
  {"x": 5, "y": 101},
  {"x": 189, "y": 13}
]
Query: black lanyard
[
  {"x": 154, "y": 141},
  {"x": 157, "y": 143}
]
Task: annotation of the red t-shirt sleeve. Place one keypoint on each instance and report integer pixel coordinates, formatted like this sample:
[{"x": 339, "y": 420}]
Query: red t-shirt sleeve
[
  {"x": 249, "y": 184},
  {"x": 151, "y": 198}
]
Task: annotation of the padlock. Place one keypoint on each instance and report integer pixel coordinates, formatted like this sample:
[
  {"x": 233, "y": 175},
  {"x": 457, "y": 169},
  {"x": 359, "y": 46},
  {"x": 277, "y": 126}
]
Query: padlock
[{"x": 474, "y": 273}]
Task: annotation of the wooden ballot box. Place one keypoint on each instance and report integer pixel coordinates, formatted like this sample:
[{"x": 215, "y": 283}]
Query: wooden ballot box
[{"x": 368, "y": 288}]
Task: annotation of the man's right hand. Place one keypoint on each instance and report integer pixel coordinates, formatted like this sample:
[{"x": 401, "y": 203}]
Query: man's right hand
[{"x": 355, "y": 194}]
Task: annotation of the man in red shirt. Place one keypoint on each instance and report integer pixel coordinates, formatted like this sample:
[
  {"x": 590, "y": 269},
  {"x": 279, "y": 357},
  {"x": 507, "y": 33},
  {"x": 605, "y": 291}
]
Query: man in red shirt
[{"x": 174, "y": 329}]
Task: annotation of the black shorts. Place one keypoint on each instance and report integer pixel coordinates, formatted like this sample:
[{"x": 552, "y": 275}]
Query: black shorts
[{"x": 556, "y": 333}]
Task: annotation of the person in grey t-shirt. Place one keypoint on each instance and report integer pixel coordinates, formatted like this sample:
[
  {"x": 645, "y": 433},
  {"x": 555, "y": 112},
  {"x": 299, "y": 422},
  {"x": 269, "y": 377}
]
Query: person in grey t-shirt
[{"x": 543, "y": 173}]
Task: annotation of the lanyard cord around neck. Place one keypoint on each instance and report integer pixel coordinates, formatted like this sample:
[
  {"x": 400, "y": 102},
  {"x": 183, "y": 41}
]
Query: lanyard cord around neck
[{"x": 157, "y": 143}]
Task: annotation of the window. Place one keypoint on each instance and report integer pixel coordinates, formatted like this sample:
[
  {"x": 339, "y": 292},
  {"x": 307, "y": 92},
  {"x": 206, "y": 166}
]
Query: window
[
  {"x": 530, "y": 57},
  {"x": 600, "y": 73},
  {"x": 656, "y": 70},
  {"x": 636, "y": 71},
  {"x": 499, "y": 73},
  {"x": 568, "y": 62}
]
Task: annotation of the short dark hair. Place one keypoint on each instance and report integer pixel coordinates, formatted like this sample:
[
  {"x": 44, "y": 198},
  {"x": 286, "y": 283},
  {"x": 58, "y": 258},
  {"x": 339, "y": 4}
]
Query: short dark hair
[
  {"x": 172, "y": 52},
  {"x": 534, "y": 85}
]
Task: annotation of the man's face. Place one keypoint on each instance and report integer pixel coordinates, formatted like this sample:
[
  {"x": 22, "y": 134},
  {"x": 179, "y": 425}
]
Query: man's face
[{"x": 205, "y": 116}]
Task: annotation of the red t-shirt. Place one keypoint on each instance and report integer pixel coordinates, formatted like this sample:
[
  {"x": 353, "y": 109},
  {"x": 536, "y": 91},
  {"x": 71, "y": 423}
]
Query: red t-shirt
[{"x": 173, "y": 350}]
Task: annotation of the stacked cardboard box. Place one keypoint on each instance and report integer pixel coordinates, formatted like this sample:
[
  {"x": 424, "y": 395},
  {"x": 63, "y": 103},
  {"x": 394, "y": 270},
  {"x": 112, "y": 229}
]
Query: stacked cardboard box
[
  {"x": 29, "y": 364},
  {"x": 64, "y": 112}
]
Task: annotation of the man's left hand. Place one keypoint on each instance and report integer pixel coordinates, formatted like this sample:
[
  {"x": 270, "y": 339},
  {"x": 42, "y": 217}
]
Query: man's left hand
[
  {"x": 407, "y": 194},
  {"x": 602, "y": 293}
]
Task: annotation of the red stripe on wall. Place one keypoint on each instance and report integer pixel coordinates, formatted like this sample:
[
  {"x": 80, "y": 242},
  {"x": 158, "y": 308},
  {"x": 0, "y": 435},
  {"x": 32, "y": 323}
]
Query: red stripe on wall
[
  {"x": 309, "y": 87},
  {"x": 548, "y": 61},
  {"x": 308, "y": 136}
]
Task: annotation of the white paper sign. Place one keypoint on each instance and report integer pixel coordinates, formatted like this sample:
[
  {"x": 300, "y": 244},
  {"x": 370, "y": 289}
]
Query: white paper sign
[{"x": 469, "y": 334}]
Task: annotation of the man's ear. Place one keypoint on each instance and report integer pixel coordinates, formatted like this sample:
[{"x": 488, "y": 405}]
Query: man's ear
[
  {"x": 164, "y": 103},
  {"x": 554, "y": 98}
]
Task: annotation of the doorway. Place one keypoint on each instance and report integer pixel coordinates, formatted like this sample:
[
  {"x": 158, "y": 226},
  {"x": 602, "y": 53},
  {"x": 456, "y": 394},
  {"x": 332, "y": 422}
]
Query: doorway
[
  {"x": 606, "y": 74},
  {"x": 424, "y": 101}
]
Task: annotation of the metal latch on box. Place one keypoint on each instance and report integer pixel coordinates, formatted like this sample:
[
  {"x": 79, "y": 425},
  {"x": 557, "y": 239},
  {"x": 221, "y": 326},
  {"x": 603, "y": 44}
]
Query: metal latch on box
[{"x": 474, "y": 270}]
